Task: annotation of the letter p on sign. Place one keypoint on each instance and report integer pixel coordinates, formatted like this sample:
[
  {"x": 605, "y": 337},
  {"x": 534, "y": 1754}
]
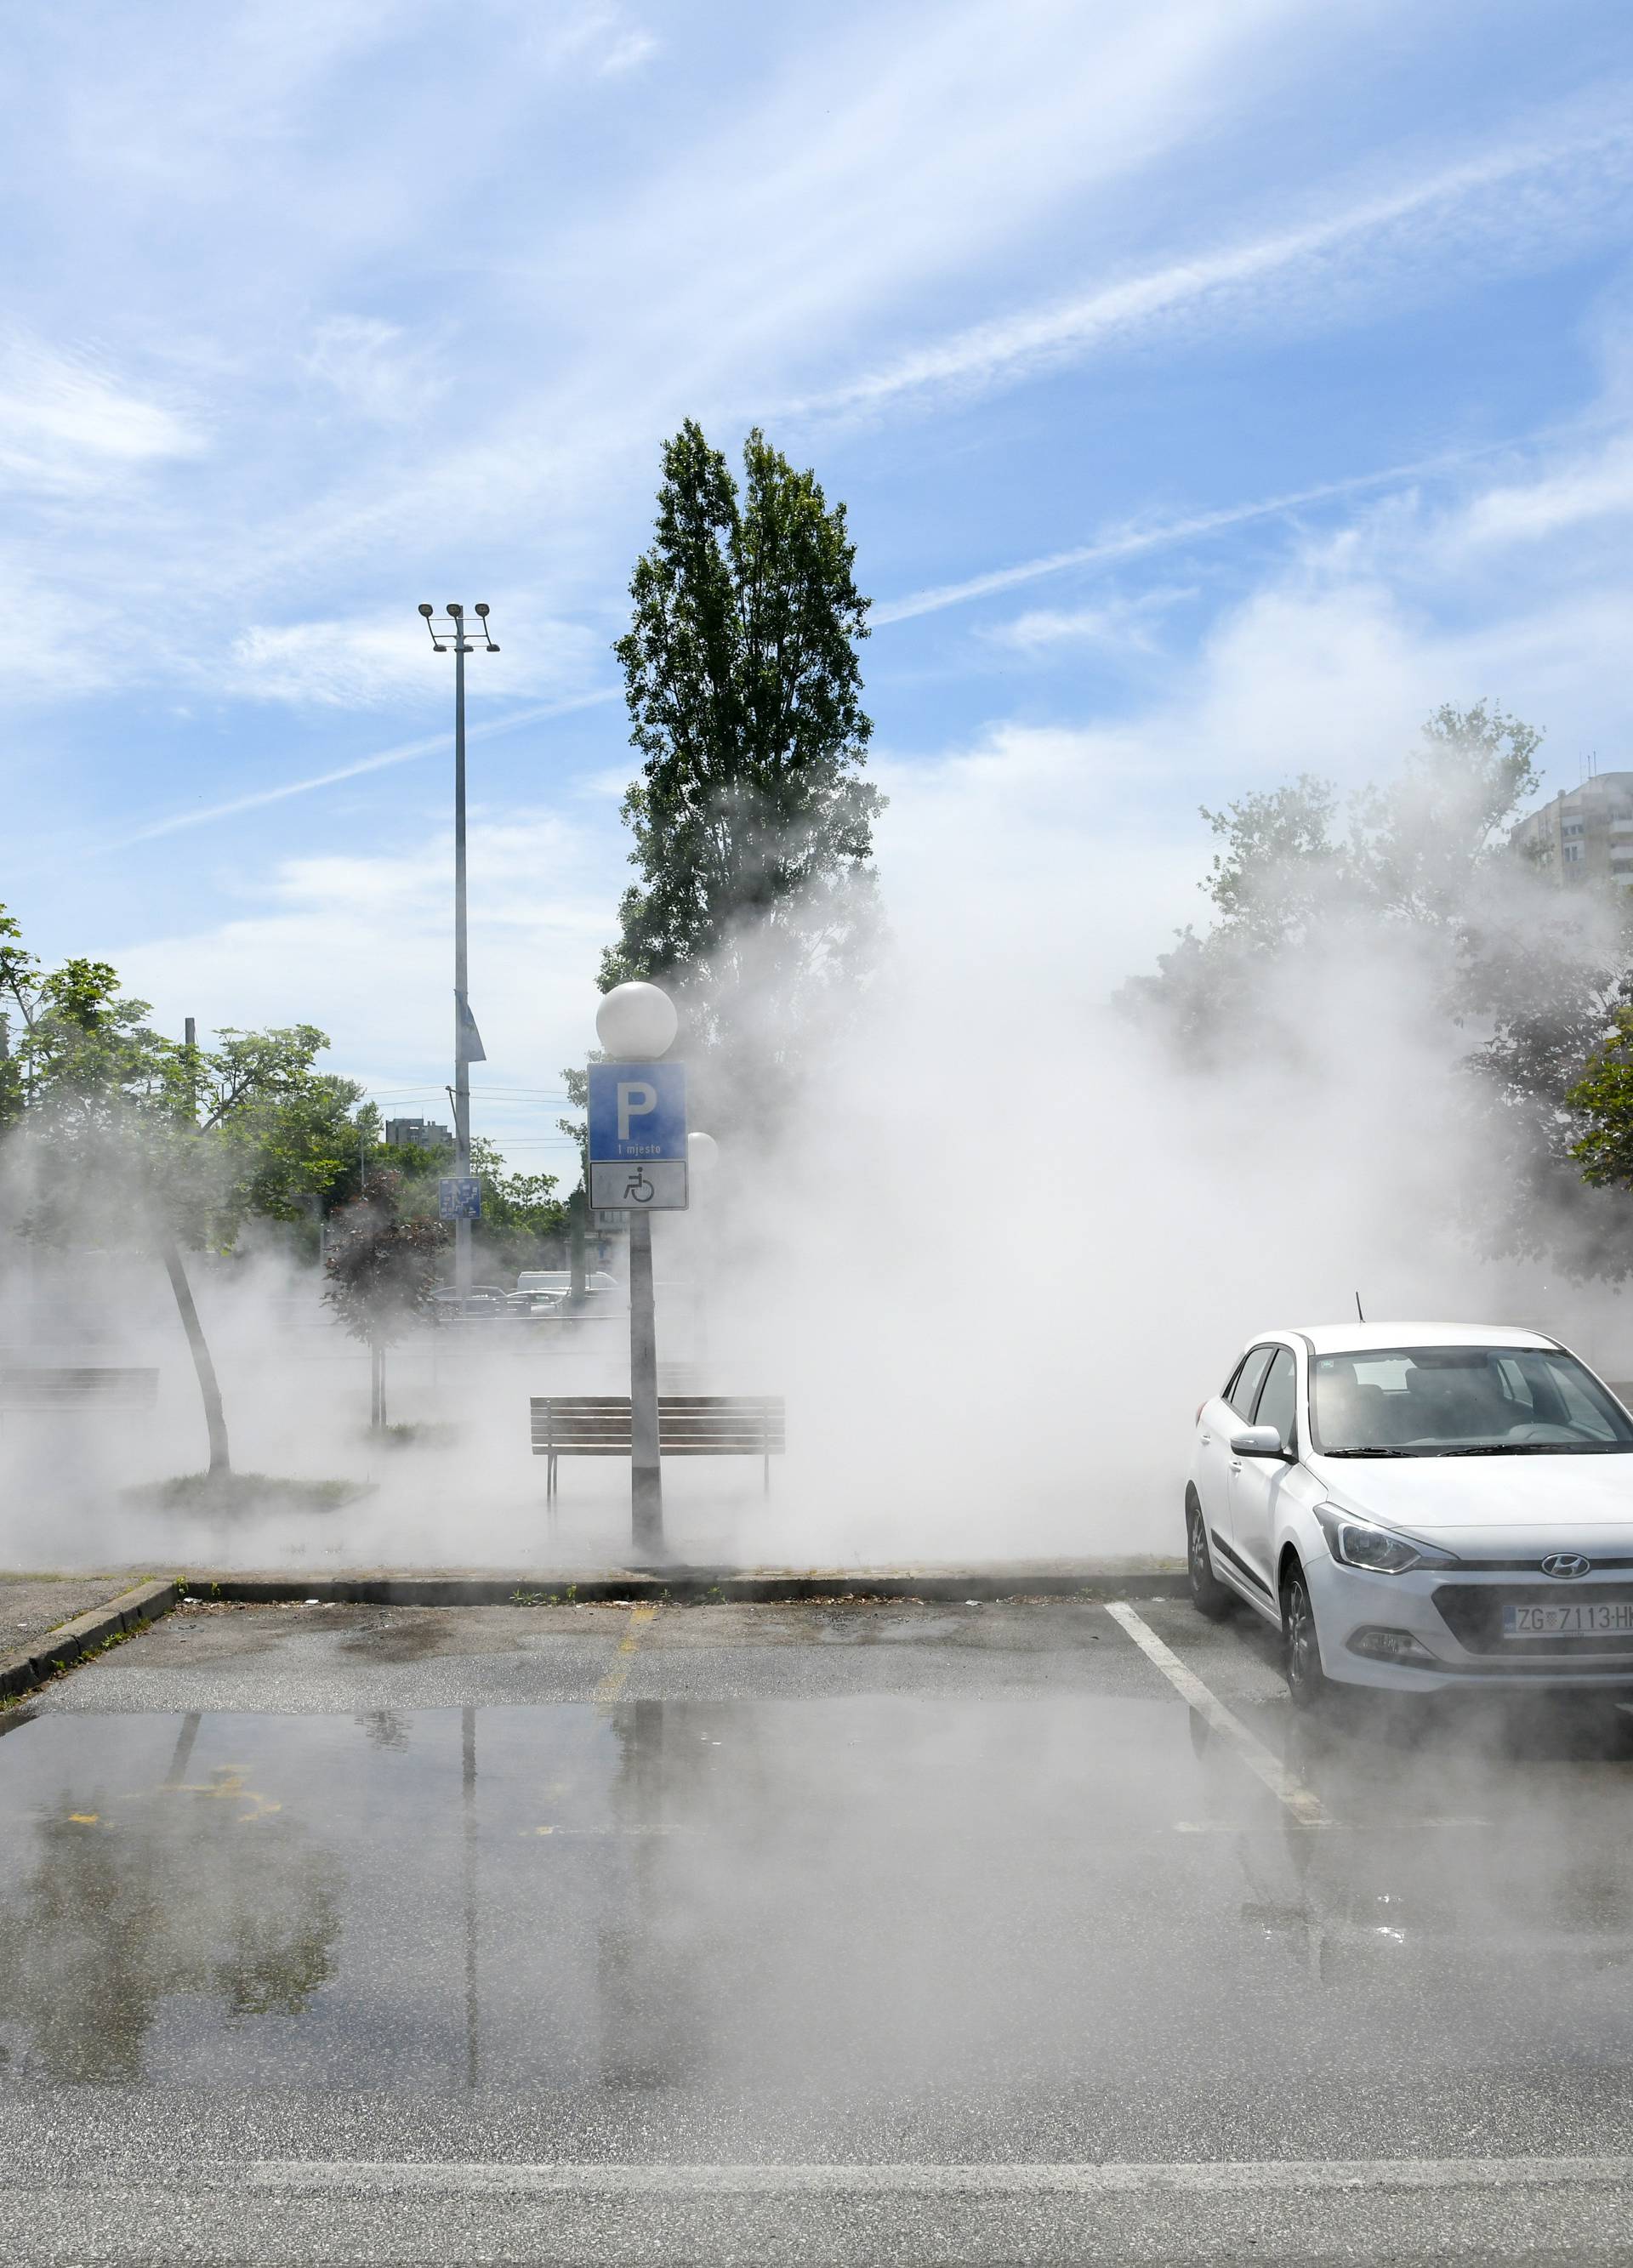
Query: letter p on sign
[{"x": 636, "y": 1099}]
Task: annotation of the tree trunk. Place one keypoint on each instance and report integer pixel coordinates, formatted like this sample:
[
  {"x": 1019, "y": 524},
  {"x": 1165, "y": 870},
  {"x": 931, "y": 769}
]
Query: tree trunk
[{"x": 210, "y": 1392}]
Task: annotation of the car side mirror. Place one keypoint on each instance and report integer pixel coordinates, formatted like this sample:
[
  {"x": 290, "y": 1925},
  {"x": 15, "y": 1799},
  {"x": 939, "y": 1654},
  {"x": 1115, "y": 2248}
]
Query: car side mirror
[{"x": 1257, "y": 1441}]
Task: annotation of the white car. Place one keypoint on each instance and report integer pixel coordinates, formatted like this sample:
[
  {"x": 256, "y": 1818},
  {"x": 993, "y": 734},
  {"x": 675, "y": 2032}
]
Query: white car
[{"x": 1427, "y": 1507}]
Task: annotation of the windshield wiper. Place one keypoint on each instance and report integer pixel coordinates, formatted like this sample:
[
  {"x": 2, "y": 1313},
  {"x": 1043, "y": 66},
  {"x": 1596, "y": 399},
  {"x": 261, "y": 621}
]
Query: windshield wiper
[
  {"x": 1496, "y": 1449},
  {"x": 1535, "y": 1449}
]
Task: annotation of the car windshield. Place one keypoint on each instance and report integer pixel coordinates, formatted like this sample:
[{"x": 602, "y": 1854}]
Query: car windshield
[{"x": 1461, "y": 1401}]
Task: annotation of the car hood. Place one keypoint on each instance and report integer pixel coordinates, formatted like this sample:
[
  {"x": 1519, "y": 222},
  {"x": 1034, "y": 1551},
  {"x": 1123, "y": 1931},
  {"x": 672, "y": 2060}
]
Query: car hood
[{"x": 1491, "y": 1505}]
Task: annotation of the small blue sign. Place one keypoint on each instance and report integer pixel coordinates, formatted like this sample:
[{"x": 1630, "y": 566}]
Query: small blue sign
[
  {"x": 637, "y": 1111},
  {"x": 460, "y": 1198}
]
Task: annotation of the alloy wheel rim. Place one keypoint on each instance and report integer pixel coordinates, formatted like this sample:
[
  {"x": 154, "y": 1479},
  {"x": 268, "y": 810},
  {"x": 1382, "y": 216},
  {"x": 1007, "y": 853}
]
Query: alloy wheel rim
[
  {"x": 1300, "y": 1634},
  {"x": 1199, "y": 1551}
]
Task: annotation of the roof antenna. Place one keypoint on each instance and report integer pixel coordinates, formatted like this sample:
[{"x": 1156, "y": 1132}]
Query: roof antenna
[{"x": 1360, "y": 1318}]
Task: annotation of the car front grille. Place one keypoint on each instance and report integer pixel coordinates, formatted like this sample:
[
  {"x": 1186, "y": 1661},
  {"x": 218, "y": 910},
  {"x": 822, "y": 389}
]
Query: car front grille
[{"x": 1473, "y": 1612}]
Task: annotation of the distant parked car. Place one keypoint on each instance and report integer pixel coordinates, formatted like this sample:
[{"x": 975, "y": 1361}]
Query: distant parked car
[
  {"x": 556, "y": 1283},
  {"x": 524, "y": 1304},
  {"x": 484, "y": 1303}
]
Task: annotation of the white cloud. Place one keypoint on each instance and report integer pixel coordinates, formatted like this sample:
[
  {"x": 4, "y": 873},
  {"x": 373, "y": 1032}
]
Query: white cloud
[
  {"x": 375, "y": 660},
  {"x": 382, "y": 760},
  {"x": 1576, "y": 489},
  {"x": 67, "y": 422},
  {"x": 361, "y": 945},
  {"x": 1121, "y": 625},
  {"x": 627, "y": 51},
  {"x": 374, "y": 369},
  {"x": 1129, "y": 540},
  {"x": 1495, "y": 206}
]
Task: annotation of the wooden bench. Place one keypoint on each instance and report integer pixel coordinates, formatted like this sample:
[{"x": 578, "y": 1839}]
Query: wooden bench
[
  {"x": 96, "y": 1389},
  {"x": 688, "y": 1425}
]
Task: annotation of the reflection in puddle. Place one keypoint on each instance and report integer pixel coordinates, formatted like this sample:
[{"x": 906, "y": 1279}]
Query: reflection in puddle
[
  {"x": 1478, "y": 1836},
  {"x": 643, "y": 1895},
  {"x": 131, "y": 1898}
]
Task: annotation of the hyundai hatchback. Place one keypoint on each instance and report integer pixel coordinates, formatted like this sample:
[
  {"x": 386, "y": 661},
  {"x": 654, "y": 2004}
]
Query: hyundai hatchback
[{"x": 1427, "y": 1507}]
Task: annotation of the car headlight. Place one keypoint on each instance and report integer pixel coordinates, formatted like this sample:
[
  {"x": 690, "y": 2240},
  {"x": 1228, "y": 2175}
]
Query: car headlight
[{"x": 1359, "y": 1544}]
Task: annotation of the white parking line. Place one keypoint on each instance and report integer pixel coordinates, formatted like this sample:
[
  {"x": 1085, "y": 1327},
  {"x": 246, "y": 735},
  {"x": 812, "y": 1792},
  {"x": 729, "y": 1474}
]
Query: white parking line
[
  {"x": 1306, "y": 1805},
  {"x": 1232, "y": 2176}
]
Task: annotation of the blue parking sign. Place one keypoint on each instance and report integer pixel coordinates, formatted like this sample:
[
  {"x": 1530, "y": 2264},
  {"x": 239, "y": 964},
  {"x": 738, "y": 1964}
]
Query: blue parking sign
[
  {"x": 460, "y": 1198},
  {"x": 636, "y": 1112}
]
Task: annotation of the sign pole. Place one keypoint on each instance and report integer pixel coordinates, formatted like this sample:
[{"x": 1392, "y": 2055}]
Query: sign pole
[
  {"x": 647, "y": 1470},
  {"x": 636, "y": 1127}
]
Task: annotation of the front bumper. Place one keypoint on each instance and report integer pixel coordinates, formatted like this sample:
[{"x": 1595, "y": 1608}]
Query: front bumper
[{"x": 1459, "y": 1629}]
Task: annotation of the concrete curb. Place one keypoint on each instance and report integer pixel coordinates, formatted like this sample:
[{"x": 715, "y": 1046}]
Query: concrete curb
[
  {"x": 61, "y": 1648},
  {"x": 1129, "y": 1578}
]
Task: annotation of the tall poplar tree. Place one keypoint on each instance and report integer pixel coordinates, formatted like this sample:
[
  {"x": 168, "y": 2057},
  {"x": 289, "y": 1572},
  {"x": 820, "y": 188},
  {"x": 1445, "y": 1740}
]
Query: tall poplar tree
[{"x": 753, "y": 827}]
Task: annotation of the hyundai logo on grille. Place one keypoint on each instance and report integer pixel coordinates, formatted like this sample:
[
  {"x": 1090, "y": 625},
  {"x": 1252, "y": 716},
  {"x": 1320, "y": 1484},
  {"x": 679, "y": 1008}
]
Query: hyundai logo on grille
[{"x": 1565, "y": 1565}]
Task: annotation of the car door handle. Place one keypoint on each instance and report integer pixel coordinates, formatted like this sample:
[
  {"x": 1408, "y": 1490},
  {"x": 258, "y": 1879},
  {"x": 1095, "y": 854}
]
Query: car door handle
[
  {"x": 1208, "y": 1441},
  {"x": 1236, "y": 1464}
]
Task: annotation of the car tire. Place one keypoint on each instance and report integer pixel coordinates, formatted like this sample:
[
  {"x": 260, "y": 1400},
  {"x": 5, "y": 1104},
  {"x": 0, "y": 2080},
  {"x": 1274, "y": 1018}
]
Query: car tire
[
  {"x": 1307, "y": 1683},
  {"x": 1208, "y": 1595}
]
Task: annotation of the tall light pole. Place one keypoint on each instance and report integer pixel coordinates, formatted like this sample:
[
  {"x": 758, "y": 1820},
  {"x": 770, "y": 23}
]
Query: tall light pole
[{"x": 468, "y": 1048}]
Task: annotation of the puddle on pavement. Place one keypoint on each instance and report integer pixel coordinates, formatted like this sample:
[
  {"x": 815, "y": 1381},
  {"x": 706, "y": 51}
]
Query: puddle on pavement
[{"x": 654, "y": 1894}]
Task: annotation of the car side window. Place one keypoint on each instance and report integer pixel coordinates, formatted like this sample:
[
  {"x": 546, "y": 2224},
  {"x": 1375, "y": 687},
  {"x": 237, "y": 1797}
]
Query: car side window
[
  {"x": 1278, "y": 1397},
  {"x": 1248, "y": 1380}
]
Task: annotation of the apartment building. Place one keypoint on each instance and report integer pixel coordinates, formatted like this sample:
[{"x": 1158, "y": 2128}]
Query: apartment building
[
  {"x": 1584, "y": 835},
  {"x": 418, "y": 1134}
]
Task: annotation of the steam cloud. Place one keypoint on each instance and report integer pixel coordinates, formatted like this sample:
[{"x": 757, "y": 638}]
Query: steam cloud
[{"x": 995, "y": 1254}]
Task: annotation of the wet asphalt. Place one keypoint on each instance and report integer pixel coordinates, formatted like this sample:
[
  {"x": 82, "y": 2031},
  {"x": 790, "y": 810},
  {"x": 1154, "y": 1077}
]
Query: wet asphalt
[{"x": 398, "y": 1934}]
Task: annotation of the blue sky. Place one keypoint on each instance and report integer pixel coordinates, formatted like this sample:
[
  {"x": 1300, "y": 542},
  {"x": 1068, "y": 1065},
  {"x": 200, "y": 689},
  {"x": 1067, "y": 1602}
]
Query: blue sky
[{"x": 1215, "y": 389}]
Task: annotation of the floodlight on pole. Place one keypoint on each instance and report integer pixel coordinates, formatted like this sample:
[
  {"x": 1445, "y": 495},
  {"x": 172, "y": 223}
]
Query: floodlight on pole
[{"x": 468, "y": 1048}]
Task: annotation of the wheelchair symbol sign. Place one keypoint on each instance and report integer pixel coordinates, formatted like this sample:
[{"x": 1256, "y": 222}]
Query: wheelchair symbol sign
[{"x": 654, "y": 1185}]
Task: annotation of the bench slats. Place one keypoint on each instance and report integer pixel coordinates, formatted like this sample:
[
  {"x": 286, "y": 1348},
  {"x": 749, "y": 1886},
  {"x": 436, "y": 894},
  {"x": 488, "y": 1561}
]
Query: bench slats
[
  {"x": 689, "y": 1424},
  {"x": 100, "y": 1387}
]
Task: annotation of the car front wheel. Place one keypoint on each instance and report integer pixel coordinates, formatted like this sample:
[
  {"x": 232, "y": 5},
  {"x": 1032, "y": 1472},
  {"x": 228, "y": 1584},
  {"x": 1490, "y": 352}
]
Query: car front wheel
[
  {"x": 1306, "y": 1680},
  {"x": 1208, "y": 1595}
]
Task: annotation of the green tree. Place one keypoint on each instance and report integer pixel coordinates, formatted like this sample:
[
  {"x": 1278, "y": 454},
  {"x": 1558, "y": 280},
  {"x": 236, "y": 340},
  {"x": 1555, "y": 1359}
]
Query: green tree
[
  {"x": 1446, "y": 816},
  {"x": 1279, "y": 864},
  {"x": 1535, "y": 977},
  {"x": 753, "y": 829},
  {"x": 1602, "y": 1099},
  {"x": 1416, "y": 852},
  {"x": 382, "y": 1269},
  {"x": 129, "y": 1136}
]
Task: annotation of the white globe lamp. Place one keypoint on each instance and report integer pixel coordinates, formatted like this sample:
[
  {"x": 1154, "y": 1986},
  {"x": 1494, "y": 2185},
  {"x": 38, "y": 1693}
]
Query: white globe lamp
[
  {"x": 703, "y": 1152},
  {"x": 636, "y": 1022}
]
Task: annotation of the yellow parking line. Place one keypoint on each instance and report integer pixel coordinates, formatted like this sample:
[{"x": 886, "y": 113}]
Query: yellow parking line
[
  {"x": 613, "y": 1683},
  {"x": 1306, "y": 1805}
]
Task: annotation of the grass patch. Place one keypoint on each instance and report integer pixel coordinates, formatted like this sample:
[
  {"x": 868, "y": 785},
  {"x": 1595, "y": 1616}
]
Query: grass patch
[
  {"x": 244, "y": 1494},
  {"x": 417, "y": 1437}
]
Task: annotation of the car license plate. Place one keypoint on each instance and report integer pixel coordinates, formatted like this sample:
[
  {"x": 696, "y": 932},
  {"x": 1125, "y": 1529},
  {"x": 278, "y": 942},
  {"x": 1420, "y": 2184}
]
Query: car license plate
[{"x": 1570, "y": 1618}]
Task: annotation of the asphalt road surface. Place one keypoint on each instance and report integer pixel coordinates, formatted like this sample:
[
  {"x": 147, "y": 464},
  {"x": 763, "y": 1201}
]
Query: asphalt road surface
[{"x": 862, "y": 1932}]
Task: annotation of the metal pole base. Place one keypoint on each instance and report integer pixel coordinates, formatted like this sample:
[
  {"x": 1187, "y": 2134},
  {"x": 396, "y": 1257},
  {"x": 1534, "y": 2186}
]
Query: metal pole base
[{"x": 647, "y": 1512}]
